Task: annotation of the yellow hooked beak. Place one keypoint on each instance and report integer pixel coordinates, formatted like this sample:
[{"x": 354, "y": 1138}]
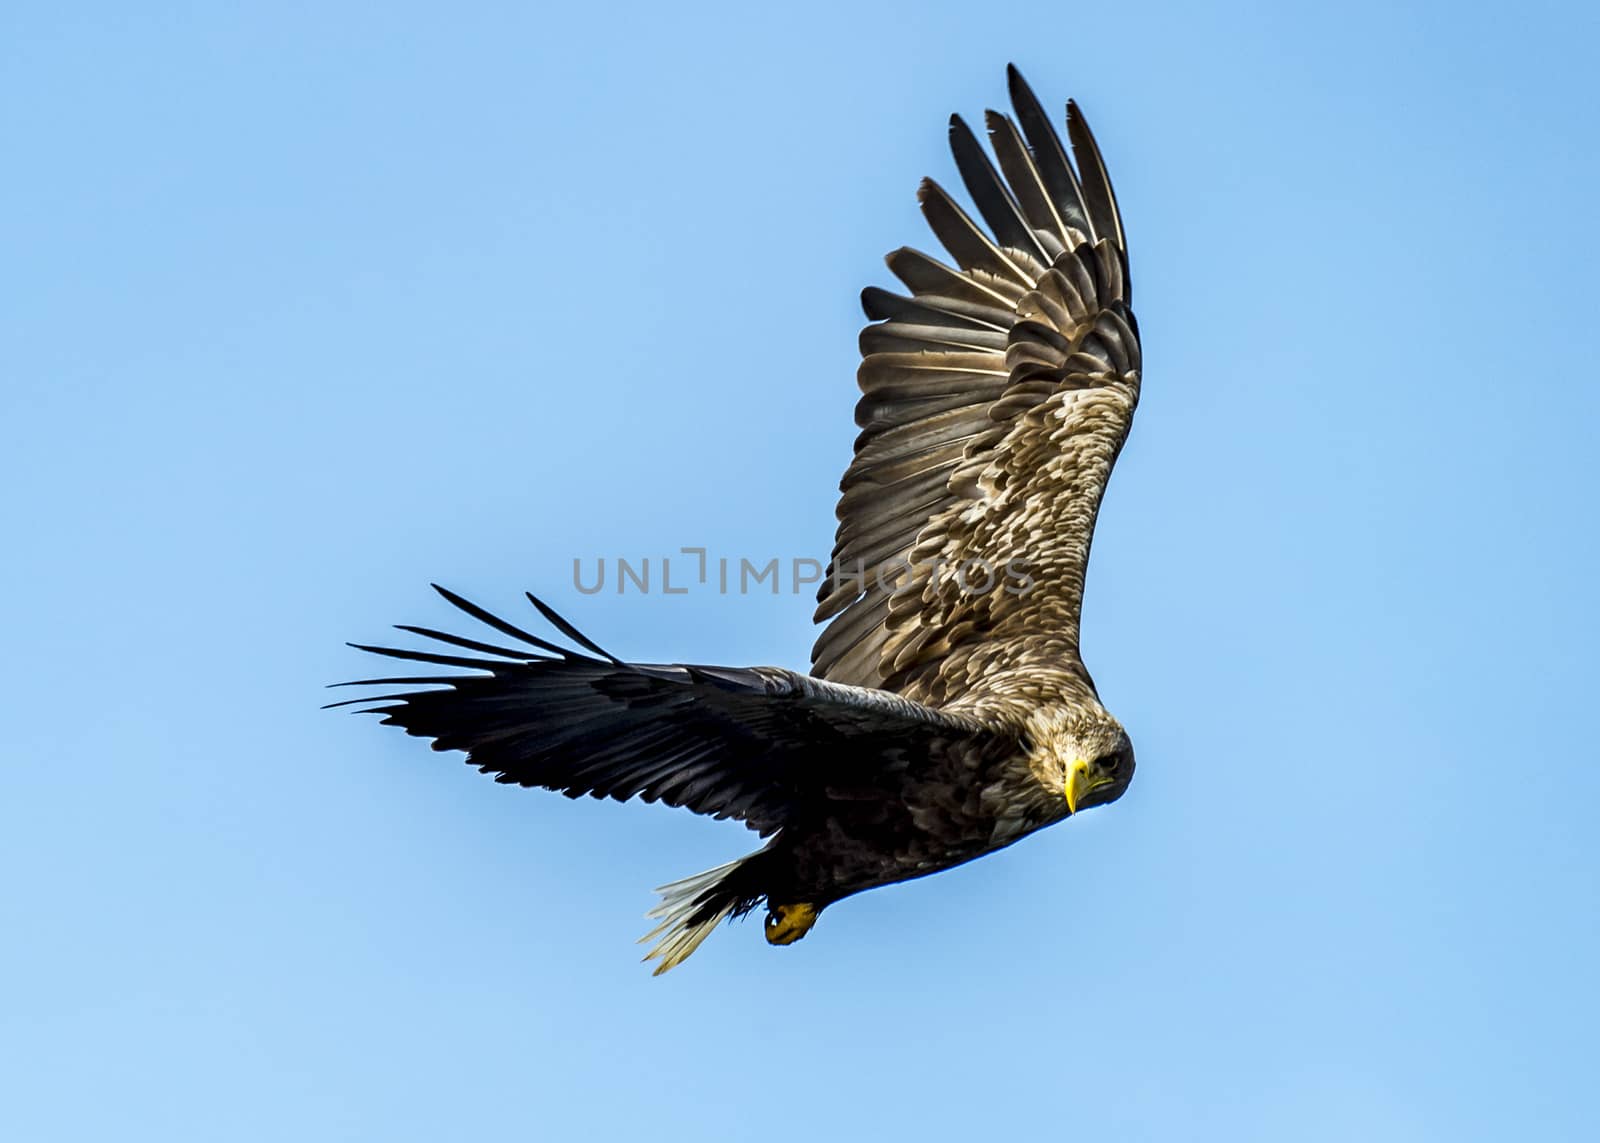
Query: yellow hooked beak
[{"x": 1078, "y": 784}]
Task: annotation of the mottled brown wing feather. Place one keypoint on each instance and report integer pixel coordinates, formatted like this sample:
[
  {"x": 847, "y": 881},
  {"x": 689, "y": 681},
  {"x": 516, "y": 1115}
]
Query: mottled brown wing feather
[{"x": 995, "y": 399}]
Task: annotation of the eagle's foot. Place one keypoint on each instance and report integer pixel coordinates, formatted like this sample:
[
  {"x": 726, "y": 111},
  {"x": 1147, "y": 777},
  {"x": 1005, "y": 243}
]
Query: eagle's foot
[{"x": 788, "y": 923}]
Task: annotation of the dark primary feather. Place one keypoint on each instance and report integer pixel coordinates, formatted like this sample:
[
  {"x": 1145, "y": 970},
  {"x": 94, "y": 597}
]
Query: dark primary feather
[
  {"x": 989, "y": 191},
  {"x": 761, "y": 744},
  {"x": 1060, "y": 180},
  {"x": 1098, "y": 197}
]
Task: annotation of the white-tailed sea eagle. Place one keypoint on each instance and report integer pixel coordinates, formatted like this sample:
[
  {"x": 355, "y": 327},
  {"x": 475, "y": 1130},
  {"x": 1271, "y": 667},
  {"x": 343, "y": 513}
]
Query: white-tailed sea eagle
[{"x": 940, "y": 721}]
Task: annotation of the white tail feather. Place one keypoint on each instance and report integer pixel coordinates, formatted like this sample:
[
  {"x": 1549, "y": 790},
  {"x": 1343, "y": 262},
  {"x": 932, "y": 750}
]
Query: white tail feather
[{"x": 679, "y": 901}]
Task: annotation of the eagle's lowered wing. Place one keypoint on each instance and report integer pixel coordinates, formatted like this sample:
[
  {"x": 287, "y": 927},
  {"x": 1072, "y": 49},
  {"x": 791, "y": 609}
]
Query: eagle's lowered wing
[
  {"x": 759, "y": 744},
  {"x": 995, "y": 401}
]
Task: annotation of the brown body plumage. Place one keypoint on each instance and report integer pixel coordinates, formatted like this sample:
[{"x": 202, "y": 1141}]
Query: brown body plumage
[{"x": 948, "y": 713}]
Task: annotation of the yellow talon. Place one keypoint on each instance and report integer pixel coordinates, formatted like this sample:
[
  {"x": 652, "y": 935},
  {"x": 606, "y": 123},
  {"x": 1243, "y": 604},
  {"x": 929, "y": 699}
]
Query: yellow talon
[{"x": 788, "y": 923}]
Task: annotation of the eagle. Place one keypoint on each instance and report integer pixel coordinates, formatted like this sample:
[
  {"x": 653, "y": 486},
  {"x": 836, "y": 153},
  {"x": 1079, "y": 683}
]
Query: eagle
[{"x": 947, "y": 712}]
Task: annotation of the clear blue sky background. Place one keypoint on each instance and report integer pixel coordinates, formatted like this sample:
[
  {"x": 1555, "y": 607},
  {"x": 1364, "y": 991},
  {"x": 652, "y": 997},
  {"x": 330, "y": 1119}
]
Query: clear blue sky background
[{"x": 303, "y": 308}]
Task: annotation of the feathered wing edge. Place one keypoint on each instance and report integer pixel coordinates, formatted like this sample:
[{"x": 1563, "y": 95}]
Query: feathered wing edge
[
  {"x": 691, "y": 907},
  {"x": 710, "y": 739},
  {"x": 747, "y": 743},
  {"x": 951, "y": 368}
]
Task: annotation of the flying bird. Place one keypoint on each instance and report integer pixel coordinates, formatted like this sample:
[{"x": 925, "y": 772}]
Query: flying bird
[{"x": 945, "y": 715}]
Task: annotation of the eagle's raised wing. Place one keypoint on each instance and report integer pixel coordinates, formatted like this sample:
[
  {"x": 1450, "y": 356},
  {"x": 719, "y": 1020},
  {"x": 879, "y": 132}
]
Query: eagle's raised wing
[
  {"x": 761, "y": 745},
  {"x": 996, "y": 399}
]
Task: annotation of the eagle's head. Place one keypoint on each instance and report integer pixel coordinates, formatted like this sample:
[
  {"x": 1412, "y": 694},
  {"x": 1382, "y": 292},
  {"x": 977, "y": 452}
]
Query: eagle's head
[{"x": 1083, "y": 757}]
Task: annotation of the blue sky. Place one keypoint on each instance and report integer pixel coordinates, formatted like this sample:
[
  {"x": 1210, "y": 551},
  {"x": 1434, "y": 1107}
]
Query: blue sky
[{"x": 304, "y": 308}]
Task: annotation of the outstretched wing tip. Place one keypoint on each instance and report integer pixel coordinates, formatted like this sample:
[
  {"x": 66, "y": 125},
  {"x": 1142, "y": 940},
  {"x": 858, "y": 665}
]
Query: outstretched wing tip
[
  {"x": 560, "y": 623},
  {"x": 722, "y": 741}
]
